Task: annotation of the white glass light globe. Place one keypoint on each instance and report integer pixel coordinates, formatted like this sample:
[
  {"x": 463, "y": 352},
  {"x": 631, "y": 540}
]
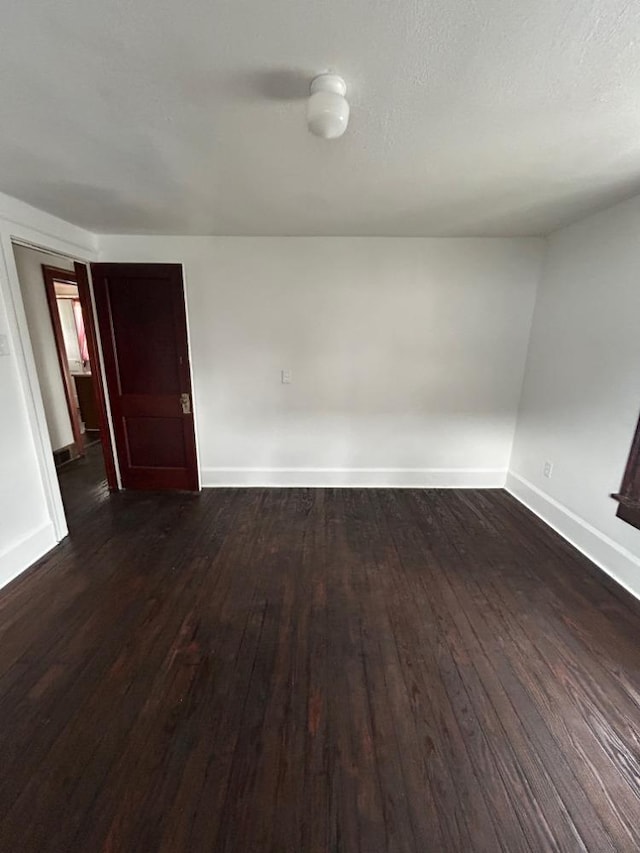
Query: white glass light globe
[{"x": 327, "y": 108}]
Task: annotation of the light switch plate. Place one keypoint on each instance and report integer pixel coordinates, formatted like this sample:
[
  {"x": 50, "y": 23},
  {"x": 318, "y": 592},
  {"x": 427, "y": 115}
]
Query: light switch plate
[
  {"x": 286, "y": 377},
  {"x": 4, "y": 345}
]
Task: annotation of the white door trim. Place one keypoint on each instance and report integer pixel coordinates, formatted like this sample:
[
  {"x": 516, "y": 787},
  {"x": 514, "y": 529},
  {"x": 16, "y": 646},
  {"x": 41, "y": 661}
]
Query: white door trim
[{"x": 25, "y": 362}]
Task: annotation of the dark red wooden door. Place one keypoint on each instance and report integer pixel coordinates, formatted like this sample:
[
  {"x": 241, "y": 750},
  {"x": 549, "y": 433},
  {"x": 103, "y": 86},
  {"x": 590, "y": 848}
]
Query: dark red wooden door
[{"x": 142, "y": 321}]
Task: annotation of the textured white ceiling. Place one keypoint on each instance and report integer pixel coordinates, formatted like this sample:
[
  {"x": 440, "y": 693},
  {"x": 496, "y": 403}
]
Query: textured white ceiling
[{"x": 469, "y": 117}]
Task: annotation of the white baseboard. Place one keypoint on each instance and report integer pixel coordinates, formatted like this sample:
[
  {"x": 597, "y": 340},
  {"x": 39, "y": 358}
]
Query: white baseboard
[
  {"x": 396, "y": 478},
  {"x": 616, "y": 561},
  {"x": 19, "y": 557}
]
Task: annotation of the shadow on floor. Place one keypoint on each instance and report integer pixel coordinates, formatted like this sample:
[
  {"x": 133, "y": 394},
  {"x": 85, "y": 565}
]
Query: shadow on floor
[{"x": 83, "y": 484}]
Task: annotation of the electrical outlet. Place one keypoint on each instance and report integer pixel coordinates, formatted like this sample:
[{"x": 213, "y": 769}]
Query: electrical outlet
[
  {"x": 548, "y": 470},
  {"x": 4, "y": 345},
  {"x": 286, "y": 377}
]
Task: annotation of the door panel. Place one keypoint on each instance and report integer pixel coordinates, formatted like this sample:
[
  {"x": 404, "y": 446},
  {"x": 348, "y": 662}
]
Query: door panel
[
  {"x": 155, "y": 441},
  {"x": 143, "y": 327}
]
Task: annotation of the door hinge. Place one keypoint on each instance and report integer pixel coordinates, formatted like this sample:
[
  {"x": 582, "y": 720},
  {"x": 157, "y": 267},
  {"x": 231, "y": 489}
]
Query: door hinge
[{"x": 185, "y": 402}]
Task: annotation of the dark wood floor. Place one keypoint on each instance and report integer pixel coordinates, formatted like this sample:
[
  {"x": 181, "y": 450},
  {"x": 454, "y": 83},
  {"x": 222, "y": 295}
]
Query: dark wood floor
[{"x": 275, "y": 671}]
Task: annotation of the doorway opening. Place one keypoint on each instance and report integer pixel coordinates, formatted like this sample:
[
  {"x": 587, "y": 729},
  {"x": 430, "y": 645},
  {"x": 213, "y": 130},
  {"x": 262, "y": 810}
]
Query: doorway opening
[{"x": 59, "y": 316}]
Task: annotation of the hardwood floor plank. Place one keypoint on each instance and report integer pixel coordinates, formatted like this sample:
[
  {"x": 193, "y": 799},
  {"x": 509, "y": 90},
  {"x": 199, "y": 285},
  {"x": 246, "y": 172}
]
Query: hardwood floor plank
[
  {"x": 606, "y": 755},
  {"x": 494, "y": 667},
  {"x": 493, "y": 736},
  {"x": 439, "y": 774}
]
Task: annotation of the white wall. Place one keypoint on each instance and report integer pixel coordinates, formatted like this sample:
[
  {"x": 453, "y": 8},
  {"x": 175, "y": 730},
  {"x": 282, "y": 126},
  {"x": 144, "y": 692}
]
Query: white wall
[
  {"x": 23, "y": 509},
  {"x": 29, "y": 266},
  {"x": 581, "y": 394},
  {"x": 407, "y": 355},
  {"x": 31, "y": 517}
]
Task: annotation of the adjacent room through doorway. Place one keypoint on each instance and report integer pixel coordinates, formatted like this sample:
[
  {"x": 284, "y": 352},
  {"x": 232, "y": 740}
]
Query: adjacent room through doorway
[{"x": 59, "y": 335}]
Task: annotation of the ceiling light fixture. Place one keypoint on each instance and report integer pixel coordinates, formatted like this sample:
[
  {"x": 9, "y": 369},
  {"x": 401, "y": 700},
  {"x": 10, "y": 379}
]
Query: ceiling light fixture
[{"x": 327, "y": 108}]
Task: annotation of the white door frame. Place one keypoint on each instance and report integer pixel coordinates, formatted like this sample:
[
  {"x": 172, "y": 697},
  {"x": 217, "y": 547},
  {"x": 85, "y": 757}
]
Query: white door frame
[{"x": 19, "y": 333}]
